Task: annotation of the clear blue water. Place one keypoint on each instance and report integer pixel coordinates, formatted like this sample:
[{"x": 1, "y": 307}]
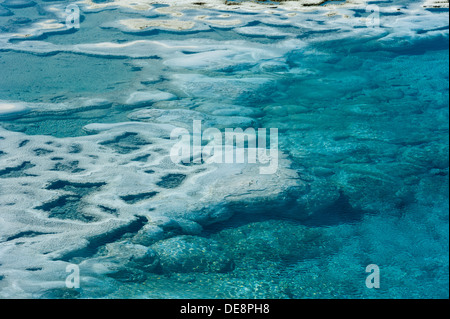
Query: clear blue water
[{"x": 362, "y": 118}]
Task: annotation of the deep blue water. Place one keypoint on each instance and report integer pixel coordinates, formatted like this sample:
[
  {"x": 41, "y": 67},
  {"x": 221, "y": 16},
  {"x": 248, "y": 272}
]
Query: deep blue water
[{"x": 86, "y": 180}]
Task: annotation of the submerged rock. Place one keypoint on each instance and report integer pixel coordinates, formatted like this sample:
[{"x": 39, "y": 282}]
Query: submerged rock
[
  {"x": 165, "y": 228},
  {"x": 123, "y": 261},
  {"x": 192, "y": 254},
  {"x": 272, "y": 240},
  {"x": 132, "y": 255}
]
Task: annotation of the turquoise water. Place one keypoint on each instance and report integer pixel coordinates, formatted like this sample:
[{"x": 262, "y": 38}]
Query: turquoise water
[{"x": 86, "y": 180}]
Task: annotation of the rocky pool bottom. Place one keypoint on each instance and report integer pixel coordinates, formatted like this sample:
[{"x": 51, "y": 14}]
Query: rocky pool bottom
[
  {"x": 279, "y": 259},
  {"x": 86, "y": 177}
]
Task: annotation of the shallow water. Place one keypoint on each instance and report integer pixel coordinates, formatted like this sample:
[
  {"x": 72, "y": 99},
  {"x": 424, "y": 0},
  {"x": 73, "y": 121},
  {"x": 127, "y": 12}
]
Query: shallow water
[{"x": 86, "y": 178}]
